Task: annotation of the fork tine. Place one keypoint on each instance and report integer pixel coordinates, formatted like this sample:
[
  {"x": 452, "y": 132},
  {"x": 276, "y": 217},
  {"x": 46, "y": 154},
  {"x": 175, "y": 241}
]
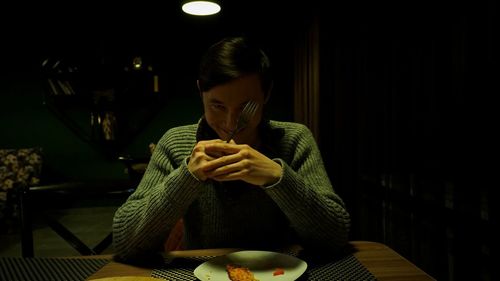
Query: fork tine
[
  {"x": 252, "y": 107},
  {"x": 255, "y": 106},
  {"x": 247, "y": 110},
  {"x": 246, "y": 114}
]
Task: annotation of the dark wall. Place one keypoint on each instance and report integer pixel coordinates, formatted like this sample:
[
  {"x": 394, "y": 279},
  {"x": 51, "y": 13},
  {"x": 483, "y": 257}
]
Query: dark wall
[{"x": 407, "y": 84}]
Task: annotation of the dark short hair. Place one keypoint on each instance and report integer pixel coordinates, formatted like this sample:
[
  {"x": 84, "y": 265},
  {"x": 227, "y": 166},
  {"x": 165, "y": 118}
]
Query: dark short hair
[{"x": 231, "y": 58}]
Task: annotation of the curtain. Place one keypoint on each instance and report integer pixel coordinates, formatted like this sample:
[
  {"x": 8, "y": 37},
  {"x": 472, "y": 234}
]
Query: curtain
[{"x": 306, "y": 78}]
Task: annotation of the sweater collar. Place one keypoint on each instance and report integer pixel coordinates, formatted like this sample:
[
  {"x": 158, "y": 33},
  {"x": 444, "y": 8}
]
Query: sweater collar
[{"x": 204, "y": 131}]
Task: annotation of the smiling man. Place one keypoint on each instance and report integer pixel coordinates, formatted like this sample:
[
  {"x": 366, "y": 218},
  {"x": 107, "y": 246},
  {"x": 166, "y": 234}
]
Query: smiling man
[{"x": 265, "y": 188}]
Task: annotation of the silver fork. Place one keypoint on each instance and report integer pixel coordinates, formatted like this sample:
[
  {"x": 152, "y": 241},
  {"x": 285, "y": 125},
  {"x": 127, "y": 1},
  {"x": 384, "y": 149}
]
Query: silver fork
[{"x": 245, "y": 116}]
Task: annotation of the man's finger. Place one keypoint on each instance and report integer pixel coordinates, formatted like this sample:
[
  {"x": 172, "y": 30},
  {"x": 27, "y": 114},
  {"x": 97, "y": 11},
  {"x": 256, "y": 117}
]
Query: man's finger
[{"x": 222, "y": 148}]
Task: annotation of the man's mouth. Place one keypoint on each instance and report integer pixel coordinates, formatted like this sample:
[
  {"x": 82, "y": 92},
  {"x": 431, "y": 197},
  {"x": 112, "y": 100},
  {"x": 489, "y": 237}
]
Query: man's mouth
[{"x": 225, "y": 132}]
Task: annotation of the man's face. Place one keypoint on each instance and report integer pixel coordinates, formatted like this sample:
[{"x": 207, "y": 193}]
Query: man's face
[{"x": 224, "y": 103}]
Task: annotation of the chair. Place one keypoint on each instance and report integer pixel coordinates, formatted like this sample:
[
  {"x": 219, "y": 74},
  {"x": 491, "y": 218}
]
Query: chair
[
  {"x": 30, "y": 195},
  {"x": 135, "y": 167},
  {"x": 33, "y": 197},
  {"x": 174, "y": 241},
  {"x": 20, "y": 192},
  {"x": 62, "y": 193},
  {"x": 19, "y": 168}
]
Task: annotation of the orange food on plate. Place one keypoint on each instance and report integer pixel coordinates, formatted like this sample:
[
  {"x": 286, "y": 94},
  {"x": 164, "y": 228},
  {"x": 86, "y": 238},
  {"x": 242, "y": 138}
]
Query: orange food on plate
[
  {"x": 278, "y": 271},
  {"x": 239, "y": 273}
]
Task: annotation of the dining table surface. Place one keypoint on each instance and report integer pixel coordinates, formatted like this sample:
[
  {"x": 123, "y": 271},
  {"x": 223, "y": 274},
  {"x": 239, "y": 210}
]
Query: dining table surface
[
  {"x": 360, "y": 260},
  {"x": 380, "y": 260}
]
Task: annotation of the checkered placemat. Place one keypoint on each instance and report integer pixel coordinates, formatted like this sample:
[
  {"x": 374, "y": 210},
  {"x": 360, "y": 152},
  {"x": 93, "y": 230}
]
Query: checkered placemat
[
  {"x": 48, "y": 269},
  {"x": 180, "y": 268},
  {"x": 347, "y": 268}
]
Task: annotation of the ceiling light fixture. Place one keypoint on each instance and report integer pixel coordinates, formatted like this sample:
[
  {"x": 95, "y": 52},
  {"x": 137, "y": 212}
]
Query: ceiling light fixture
[{"x": 201, "y": 8}]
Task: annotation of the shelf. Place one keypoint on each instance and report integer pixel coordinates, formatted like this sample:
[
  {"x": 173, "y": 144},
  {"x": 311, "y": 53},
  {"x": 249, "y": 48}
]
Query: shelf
[{"x": 105, "y": 105}]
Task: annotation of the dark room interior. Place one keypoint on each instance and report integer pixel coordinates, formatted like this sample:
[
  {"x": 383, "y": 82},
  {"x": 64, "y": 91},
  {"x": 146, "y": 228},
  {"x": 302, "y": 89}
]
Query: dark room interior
[{"x": 396, "y": 99}]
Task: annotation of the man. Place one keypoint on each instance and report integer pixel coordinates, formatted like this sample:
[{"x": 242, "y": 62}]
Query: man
[{"x": 263, "y": 188}]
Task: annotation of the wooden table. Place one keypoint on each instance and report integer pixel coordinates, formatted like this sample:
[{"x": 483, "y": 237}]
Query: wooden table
[
  {"x": 383, "y": 262},
  {"x": 386, "y": 264}
]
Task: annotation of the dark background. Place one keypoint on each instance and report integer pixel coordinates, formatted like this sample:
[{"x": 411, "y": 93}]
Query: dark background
[{"x": 406, "y": 111}]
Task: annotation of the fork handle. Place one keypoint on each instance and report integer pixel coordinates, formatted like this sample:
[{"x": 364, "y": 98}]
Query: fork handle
[{"x": 232, "y": 135}]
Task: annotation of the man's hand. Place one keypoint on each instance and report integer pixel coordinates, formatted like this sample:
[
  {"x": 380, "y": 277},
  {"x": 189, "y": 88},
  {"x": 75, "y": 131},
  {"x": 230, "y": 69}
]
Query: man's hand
[
  {"x": 200, "y": 157},
  {"x": 239, "y": 162}
]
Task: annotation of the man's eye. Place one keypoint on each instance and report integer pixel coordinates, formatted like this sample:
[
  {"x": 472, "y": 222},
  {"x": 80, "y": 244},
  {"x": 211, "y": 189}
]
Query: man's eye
[{"x": 219, "y": 107}]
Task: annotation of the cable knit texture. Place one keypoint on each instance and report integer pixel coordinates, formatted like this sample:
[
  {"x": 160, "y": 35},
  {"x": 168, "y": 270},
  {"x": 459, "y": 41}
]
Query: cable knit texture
[{"x": 301, "y": 207}]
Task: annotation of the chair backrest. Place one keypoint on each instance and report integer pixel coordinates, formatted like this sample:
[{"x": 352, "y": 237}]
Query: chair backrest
[
  {"x": 19, "y": 168},
  {"x": 175, "y": 240}
]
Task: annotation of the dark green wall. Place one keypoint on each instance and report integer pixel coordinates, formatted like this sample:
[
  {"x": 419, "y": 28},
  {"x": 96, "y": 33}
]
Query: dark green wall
[{"x": 27, "y": 122}]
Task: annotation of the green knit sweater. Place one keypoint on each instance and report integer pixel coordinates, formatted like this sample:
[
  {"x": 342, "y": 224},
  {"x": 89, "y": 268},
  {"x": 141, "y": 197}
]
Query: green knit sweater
[{"x": 300, "y": 208}]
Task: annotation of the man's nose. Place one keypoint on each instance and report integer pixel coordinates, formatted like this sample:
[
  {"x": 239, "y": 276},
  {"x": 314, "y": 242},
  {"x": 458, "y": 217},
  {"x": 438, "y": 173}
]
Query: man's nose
[{"x": 232, "y": 119}]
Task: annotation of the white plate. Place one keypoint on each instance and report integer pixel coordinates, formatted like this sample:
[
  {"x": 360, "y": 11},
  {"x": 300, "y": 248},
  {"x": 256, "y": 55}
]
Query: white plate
[{"x": 261, "y": 263}]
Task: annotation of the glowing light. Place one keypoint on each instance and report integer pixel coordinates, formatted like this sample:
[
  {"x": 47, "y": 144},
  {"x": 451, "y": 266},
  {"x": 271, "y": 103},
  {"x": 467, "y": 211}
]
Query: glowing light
[{"x": 201, "y": 8}]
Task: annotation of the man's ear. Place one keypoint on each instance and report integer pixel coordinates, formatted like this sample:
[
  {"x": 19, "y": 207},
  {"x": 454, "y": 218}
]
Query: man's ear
[
  {"x": 268, "y": 94},
  {"x": 198, "y": 86}
]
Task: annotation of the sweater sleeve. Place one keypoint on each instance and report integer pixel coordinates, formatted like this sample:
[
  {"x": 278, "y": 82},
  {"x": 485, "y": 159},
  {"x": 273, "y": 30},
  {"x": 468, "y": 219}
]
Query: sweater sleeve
[
  {"x": 143, "y": 222},
  {"x": 306, "y": 196}
]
